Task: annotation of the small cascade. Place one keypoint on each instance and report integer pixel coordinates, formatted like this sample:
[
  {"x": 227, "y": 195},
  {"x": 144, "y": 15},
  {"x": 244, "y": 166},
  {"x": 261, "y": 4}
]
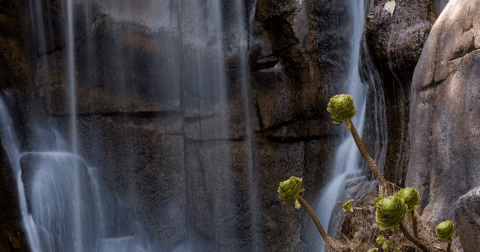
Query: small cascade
[
  {"x": 79, "y": 205},
  {"x": 11, "y": 143},
  {"x": 347, "y": 169},
  {"x": 242, "y": 36},
  {"x": 64, "y": 202},
  {"x": 45, "y": 182},
  {"x": 49, "y": 178}
]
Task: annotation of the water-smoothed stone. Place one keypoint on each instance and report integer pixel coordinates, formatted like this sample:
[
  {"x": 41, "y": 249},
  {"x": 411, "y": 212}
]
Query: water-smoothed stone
[
  {"x": 439, "y": 6},
  {"x": 467, "y": 220},
  {"x": 444, "y": 109}
]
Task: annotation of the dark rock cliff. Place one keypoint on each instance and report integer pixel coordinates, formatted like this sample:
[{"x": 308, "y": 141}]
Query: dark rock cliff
[
  {"x": 395, "y": 42},
  {"x": 158, "y": 152}
]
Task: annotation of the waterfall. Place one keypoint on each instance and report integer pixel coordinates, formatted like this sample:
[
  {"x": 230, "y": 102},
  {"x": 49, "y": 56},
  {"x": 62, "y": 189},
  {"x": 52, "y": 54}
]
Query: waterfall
[
  {"x": 66, "y": 203},
  {"x": 48, "y": 200},
  {"x": 75, "y": 169},
  {"x": 347, "y": 167},
  {"x": 11, "y": 143}
]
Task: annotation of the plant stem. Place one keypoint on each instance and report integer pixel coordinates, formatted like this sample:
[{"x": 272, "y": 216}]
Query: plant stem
[
  {"x": 314, "y": 218},
  {"x": 316, "y": 221},
  {"x": 449, "y": 245},
  {"x": 376, "y": 171},
  {"x": 411, "y": 238},
  {"x": 414, "y": 224}
]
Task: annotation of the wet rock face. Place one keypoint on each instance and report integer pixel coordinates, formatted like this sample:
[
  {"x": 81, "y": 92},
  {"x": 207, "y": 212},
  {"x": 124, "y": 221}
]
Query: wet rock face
[
  {"x": 395, "y": 43},
  {"x": 298, "y": 48},
  {"x": 299, "y": 57},
  {"x": 399, "y": 38},
  {"x": 444, "y": 108},
  {"x": 163, "y": 155},
  {"x": 15, "y": 62},
  {"x": 150, "y": 114},
  {"x": 12, "y": 235}
]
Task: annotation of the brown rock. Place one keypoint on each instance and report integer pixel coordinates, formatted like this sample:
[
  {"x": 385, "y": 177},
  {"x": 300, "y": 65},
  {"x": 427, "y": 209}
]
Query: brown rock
[
  {"x": 155, "y": 131},
  {"x": 395, "y": 43},
  {"x": 298, "y": 50}
]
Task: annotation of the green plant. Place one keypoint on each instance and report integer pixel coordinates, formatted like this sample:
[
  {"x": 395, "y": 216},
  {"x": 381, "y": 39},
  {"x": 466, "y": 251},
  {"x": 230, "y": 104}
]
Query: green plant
[
  {"x": 348, "y": 206},
  {"x": 380, "y": 240},
  {"x": 289, "y": 191},
  {"x": 390, "y": 210},
  {"x": 411, "y": 197},
  {"x": 386, "y": 245},
  {"x": 444, "y": 231},
  {"x": 342, "y": 108}
]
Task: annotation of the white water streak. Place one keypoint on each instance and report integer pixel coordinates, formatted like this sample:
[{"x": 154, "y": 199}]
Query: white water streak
[
  {"x": 78, "y": 238},
  {"x": 346, "y": 165}
]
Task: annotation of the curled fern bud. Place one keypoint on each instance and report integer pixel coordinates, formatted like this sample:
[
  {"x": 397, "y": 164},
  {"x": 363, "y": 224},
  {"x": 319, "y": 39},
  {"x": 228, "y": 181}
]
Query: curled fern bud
[
  {"x": 373, "y": 250},
  {"x": 380, "y": 239},
  {"x": 390, "y": 211},
  {"x": 348, "y": 207},
  {"x": 397, "y": 250},
  {"x": 289, "y": 190},
  {"x": 444, "y": 230},
  {"x": 342, "y": 108},
  {"x": 386, "y": 244},
  {"x": 411, "y": 197}
]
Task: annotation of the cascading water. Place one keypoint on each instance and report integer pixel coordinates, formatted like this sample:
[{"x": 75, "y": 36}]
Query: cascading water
[
  {"x": 48, "y": 201},
  {"x": 347, "y": 168},
  {"x": 64, "y": 203}
]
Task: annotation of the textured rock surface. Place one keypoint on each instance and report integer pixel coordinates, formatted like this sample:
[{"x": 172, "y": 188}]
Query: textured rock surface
[
  {"x": 155, "y": 133},
  {"x": 467, "y": 220},
  {"x": 298, "y": 60},
  {"x": 444, "y": 109},
  {"x": 395, "y": 42}
]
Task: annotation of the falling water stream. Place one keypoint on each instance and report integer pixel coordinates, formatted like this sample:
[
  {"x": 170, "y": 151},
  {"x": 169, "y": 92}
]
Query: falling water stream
[
  {"x": 64, "y": 207},
  {"x": 347, "y": 166}
]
